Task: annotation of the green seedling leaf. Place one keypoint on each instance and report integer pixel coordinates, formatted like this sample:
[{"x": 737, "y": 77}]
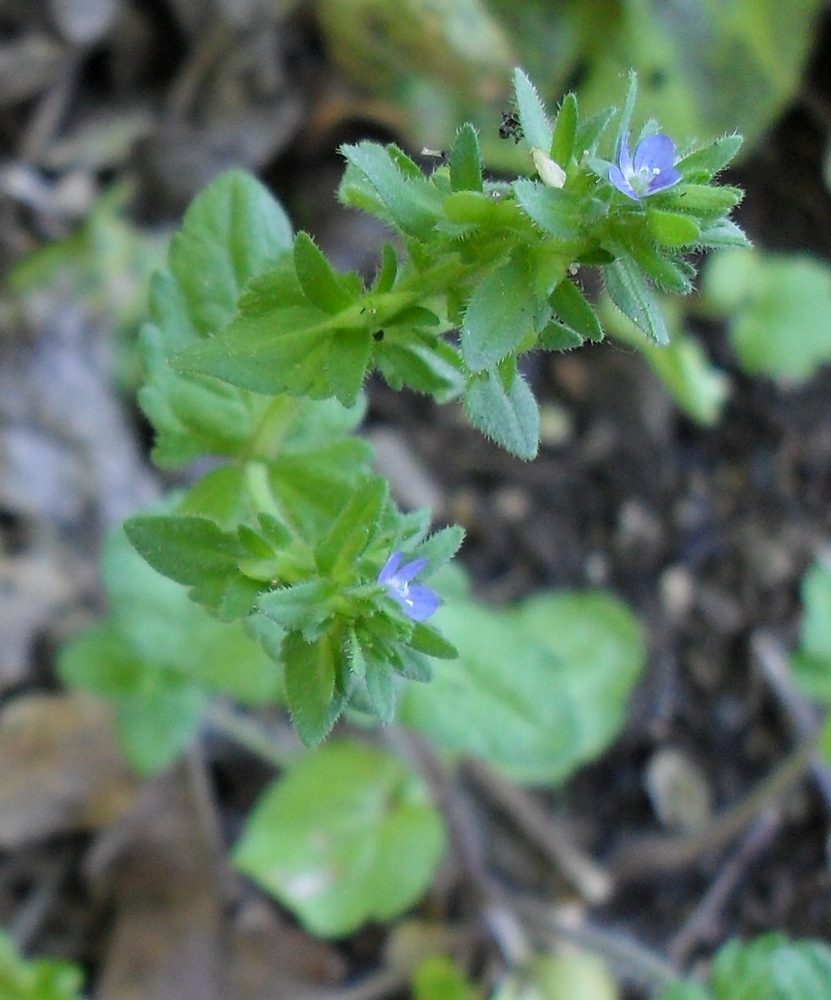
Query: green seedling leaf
[
  {"x": 466, "y": 161},
  {"x": 345, "y": 836},
  {"x": 536, "y": 128},
  {"x": 508, "y": 415},
  {"x": 773, "y": 968},
  {"x": 632, "y": 296},
  {"x": 317, "y": 278},
  {"x": 538, "y": 689},
  {"x": 36, "y": 978},
  {"x": 499, "y": 315},
  {"x": 310, "y": 669},
  {"x": 781, "y": 323},
  {"x": 574, "y": 312}
]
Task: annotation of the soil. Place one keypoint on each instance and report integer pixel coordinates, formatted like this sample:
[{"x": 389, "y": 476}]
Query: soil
[{"x": 706, "y": 533}]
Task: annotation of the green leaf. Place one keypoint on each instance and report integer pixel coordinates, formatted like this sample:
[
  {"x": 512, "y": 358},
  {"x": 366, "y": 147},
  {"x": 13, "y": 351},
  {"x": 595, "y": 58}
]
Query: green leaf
[
  {"x": 186, "y": 549},
  {"x": 413, "y": 203},
  {"x": 574, "y": 312},
  {"x": 438, "y": 978},
  {"x": 387, "y": 271},
  {"x": 280, "y": 351},
  {"x": 554, "y": 210},
  {"x": 772, "y": 968},
  {"x": 347, "y": 362},
  {"x": 565, "y": 132},
  {"x": 700, "y": 200},
  {"x": 440, "y": 547},
  {"x": 536, "y": 128},
  {"x": 345, "y": 836},
  {"x": 36, "y": 978},
  {"x": 632, "y": 296},
  {"x": 499, "y": 314},
  {"x": 382, "y": 688},
  {"x": 671, "y": 229},
  {"x": 155, "y": 726},
  {"x": 671, "y": 274},
  {"x": 158, "y": 655},
  {"x": 696, "y": 385},
  {"x": 427, "y": 640},
  {"x": 310, "y": 669},
  {"x": 466, "y": 161},
  {"x": 782, "y": 326},
  {"x": 811, "y": 662},
  {"x": 233, "y": 230},
  {"x": 318, "y": 280},
  {"x": 538, "y": 689},
  {"x": 706, "y": 162},
  {"x": 508, "y": 415},
  {"x": 301, "y": 607},
  {"x": 345, "y": 541}
]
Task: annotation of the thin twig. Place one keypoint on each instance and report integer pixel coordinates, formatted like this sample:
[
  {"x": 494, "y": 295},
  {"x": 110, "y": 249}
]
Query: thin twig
[
  {"x": 248, "y": 733},
  {"x": 802, "y": 717},
  {"x": 590, "y": 879},
  {"x": 628, "y": 958},
  {"x": 650, "y": 855},
  {"x": 700, "y": 926}
]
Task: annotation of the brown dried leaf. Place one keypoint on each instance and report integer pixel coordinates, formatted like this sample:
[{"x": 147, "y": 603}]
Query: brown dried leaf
[
  {"x": 168, "y": 934},
  {"x": 60, "y": 768}
]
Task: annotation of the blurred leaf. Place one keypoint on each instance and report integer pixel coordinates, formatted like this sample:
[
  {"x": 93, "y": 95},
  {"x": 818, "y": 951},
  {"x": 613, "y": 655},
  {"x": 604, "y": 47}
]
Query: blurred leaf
[
  {"x": 158, "y": 656},
  {"x": 346, "y": 835},
  {"x": 778, "y": 310},
  {"x": 772, "y": 968},
  {"x": 539, "y": 688},
  {"x": 811, "y": 661},
  {"x": 438, "y": 978},
  {"x": 36, "y": 978}
]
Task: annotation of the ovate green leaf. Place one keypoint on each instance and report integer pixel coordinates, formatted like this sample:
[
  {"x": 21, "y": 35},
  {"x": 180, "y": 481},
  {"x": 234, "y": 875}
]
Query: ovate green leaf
[{"x": 345, "y": 836}]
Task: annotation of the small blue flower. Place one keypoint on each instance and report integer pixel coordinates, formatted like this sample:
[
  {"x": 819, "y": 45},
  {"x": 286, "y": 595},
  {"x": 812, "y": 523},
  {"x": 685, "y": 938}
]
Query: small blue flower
[
  {"x": 653, "y": 168},
  {"x": 417, "y": 601}
]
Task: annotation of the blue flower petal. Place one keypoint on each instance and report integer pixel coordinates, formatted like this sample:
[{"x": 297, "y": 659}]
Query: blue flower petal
[{"x": 620, "y": 182}]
